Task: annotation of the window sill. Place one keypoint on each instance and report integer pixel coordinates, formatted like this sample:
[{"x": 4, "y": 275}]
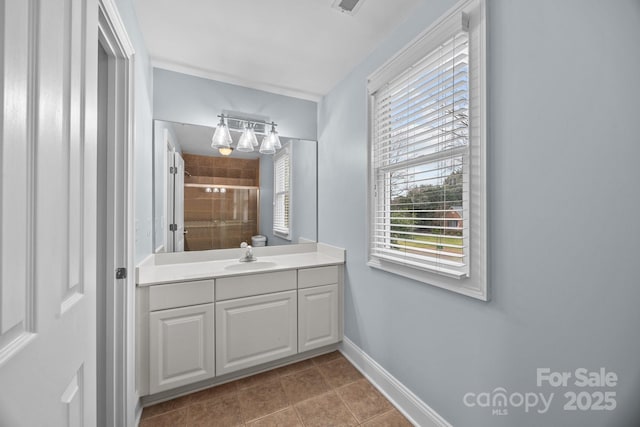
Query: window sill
[
  {"x": 285, "y": 236},
  {"x": 453, "y": 282}
]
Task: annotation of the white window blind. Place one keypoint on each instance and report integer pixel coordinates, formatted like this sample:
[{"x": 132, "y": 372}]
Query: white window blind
[
  {"x": 282, "y": 193},
  {"x": 420, "y": 161}
]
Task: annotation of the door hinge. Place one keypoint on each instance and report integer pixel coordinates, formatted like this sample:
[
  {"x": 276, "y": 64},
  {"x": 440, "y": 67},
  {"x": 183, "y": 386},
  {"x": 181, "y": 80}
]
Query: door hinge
[
  {"x": 173, "y": 171},
  {"x": 121, "y": 273},
  {"x": 173, "y": 227}
]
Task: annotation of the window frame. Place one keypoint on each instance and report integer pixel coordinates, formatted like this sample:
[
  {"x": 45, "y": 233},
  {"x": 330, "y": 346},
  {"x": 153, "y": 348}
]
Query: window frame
[
  {"x": 282, "y": 232},
  {"x": 475, "y": 283}
]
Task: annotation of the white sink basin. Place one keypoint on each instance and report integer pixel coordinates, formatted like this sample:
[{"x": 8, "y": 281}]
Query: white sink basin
[{"x": 247, "y": 266}]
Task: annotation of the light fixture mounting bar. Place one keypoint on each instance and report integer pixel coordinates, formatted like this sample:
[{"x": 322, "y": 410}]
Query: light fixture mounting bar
[{"x": 238, "y": 123}]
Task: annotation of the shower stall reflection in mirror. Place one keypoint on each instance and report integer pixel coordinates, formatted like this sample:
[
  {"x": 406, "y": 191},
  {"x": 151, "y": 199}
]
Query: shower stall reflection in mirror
[
  {"x": 212, "y": 202},
  {"x": 221, "y": 201},
  {"x": 219, "y": 217}
]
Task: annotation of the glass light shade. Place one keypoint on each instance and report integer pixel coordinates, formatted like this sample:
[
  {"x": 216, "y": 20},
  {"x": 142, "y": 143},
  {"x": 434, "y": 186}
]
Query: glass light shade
[
  {"x": 221, "y": 137},
  {"x": 275, "y": 139},
  {"x": 245, "y": 144},
  {"x": 252, "y": 136},
  {"x": 267, "y": 145}
]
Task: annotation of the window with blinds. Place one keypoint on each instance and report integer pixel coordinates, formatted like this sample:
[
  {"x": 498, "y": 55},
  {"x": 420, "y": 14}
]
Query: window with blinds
[
  {"x": 282, "y": 193},
  {"x": 425, "y": 122},
  {"x": 420, "y": 155}
]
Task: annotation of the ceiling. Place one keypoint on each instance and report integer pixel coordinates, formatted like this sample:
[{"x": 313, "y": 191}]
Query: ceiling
[{"x": 299, "y": 48}]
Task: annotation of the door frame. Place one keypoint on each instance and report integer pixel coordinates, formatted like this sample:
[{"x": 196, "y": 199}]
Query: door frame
[
  {"x": 120, "y": 407},
  {"x": 178, "y": 202},
  {"x": 169, "y": 190}
]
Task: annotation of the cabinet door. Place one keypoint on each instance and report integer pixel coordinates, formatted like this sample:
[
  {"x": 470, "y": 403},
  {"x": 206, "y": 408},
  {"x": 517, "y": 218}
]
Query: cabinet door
[
  {"x": 180, "y": 346},
  {"x": 318, "y": 321},
  {"x": 255, "y": 330}
]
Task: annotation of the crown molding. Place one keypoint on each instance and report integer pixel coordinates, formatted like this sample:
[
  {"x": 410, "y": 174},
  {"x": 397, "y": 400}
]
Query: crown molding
[{"x": 226, "y": 78}]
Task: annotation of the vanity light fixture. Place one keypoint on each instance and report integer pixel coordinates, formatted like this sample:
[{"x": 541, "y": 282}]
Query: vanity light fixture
[
  {"x": 248, "y": 140},
  {"x": 221, "y": 137}
]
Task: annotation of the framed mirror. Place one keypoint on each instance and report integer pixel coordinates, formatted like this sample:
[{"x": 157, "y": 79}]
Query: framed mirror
[{"x": 204, "y": 199}]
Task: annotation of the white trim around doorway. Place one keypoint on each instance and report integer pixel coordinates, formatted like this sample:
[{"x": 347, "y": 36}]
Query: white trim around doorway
[{"x": 121, "y": 396}]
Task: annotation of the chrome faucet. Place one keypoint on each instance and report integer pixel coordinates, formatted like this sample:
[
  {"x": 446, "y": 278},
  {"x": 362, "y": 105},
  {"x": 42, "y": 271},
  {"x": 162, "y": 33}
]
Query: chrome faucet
[{"x": 248, "y": 255}]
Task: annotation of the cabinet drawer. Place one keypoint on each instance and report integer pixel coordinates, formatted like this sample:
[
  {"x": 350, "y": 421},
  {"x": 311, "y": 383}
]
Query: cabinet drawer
[
  {"x": 255, "y": 284},
  {"x": 184, "y": 294},
  {"x": 309, "y": 277}
]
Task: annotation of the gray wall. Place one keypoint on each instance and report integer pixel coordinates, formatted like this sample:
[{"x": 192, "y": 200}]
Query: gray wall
[
  {"x": 266, "y": 201},
  {"x": 304, "y": 190},
  {"x": 142, "y": 145},
  {"x": 187, "y": 99},
  {"x": 564, "y": 240},
  {"x": 303, "y": 193}
]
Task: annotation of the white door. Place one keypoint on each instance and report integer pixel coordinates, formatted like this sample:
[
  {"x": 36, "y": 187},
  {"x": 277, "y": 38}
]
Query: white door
[
  {"x": 180, "y": 346},
  {"x": 178, "y": 204},
  {"x": 317, "y": 317},
  {"x": 48, "y": 68},
  {"x": 255, "y": 330}
]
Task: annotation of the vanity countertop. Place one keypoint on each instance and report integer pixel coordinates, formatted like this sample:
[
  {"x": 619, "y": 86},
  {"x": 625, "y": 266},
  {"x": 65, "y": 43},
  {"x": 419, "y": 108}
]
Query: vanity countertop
[{"x": 196, "y": 268}]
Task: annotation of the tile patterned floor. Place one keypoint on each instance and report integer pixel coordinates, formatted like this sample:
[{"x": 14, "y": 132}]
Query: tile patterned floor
[{"x": 324, "y": 391}]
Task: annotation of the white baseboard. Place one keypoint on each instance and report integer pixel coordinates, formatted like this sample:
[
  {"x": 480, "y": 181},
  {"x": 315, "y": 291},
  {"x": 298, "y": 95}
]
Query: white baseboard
[{"x": 416, "y": 411}]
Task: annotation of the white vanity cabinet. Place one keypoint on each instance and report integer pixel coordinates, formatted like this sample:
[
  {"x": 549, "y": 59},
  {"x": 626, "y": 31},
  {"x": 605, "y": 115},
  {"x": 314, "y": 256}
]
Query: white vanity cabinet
[
  {"x": 254, "y": 329},
  {"x": 318, "y": 307},
  {"x": 209, "y": 327},
  {"x": 181, "y": 334}
]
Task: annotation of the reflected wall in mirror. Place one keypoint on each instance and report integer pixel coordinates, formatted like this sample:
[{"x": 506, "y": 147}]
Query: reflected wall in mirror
[{"x": 204, "y": 200}]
